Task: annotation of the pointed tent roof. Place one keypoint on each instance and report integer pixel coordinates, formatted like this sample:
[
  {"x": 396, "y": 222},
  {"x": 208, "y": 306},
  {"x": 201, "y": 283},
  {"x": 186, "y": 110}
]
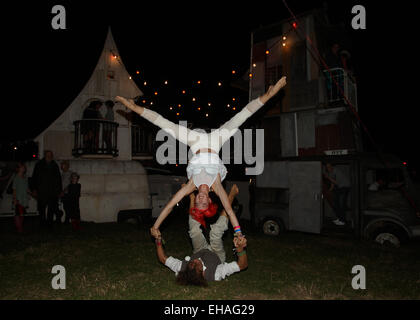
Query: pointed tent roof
[{"x": 110, "y": 78}]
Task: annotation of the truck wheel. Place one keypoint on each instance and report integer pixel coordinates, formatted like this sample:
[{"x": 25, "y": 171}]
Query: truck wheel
[
  {"x": 272, "y": 227},
  {"x": 389, "y": 236}
]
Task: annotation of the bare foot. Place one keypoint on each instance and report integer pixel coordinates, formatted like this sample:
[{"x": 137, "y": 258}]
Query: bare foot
[{"x": 234, "y": 191}]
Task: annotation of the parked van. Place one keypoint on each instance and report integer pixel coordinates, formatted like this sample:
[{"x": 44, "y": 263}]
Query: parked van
[
  {"x": 292, "y": 195},
  {"x": 108, "y": 188}
]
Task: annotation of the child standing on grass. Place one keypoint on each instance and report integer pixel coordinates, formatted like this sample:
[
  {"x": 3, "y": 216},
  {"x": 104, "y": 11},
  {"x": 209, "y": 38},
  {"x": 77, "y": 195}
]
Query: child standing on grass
[
  {"x": 20, "y": 195},
  {"x": 72, "y": 199}
]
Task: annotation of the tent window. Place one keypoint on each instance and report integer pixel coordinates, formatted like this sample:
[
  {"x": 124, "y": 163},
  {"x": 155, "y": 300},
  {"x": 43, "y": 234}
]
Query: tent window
[{"x": 110, "y": 75}]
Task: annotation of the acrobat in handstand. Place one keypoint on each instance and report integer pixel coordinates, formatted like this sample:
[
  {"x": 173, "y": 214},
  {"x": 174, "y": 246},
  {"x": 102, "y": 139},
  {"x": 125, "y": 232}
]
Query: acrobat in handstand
[{"x": 205, "y": 170}]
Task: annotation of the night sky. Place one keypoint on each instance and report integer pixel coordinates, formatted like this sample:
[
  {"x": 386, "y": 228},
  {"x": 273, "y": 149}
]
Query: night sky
[{"x": 180, "y": 42}]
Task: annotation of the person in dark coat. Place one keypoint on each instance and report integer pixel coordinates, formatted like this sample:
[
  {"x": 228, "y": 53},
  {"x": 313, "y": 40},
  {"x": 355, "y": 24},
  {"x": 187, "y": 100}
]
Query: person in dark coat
[{"x": 47, "y": 187}]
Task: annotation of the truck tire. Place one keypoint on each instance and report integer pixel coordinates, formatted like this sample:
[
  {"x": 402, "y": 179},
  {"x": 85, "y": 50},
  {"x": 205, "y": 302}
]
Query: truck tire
[
  {"x": 272, "y": 227},
  {"x": 389, "y": 235}
]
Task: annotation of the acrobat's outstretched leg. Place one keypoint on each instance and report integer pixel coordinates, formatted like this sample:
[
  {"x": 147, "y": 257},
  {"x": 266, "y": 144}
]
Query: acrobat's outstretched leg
[{"x": 229, "y": 128}]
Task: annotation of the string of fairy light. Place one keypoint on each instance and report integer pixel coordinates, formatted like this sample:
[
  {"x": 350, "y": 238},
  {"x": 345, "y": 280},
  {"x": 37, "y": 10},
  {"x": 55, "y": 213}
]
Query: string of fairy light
[
  {"x": 206, "y": 106},
  {"x": 199, "y": 104}
]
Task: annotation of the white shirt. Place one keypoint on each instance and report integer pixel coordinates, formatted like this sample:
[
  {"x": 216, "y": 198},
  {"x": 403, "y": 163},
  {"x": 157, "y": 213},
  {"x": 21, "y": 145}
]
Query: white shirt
[{"x": 223, "y": 270}]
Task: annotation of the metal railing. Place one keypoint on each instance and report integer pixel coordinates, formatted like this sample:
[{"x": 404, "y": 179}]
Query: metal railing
[
  {"x": 346, "y": 83},
  {"x": 95, "y": 137}
]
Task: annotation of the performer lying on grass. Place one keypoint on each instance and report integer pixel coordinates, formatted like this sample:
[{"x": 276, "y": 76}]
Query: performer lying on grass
[
  {"x": 207, "y": 262},
  {"x": 205, "y": 170}
]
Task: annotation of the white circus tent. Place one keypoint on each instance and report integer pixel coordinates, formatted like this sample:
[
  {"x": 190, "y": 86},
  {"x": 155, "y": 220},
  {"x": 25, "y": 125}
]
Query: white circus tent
[{"x": 110, "y": 78}]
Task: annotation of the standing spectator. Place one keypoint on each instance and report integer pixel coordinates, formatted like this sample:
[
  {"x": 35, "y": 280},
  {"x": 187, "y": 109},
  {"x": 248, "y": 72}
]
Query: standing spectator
[
  {"x": 20, "y": 195},
  {"x": 333, "y": 57},
  {"x": 107, "y": 126},
  {"x": 340, "y": 188},
  {"x": 73, "y": 195},
  {"x": 335, "y": 74},
  {"x": 109, "y": 110},
  {"x": 92, "y": 110},
  {"x": 90, "y": 129},
  {"x": 66, "y": 180},
  {"x": 47, "y": 187}
]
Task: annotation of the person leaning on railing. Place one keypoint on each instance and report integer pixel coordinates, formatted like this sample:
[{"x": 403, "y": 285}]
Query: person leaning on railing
[{"x": 90, "y": 129}]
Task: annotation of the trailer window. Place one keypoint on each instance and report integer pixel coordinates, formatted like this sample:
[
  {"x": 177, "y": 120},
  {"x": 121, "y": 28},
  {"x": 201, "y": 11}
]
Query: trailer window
[{"x": 272, "y": 195}]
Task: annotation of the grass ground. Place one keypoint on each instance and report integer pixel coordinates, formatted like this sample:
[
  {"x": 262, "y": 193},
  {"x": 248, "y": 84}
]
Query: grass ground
[{"x": 118, "y": 261}]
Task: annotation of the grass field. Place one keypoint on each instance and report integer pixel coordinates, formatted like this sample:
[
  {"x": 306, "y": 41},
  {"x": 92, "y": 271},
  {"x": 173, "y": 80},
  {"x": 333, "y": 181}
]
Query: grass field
[{"x": 118, "y": 261}]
